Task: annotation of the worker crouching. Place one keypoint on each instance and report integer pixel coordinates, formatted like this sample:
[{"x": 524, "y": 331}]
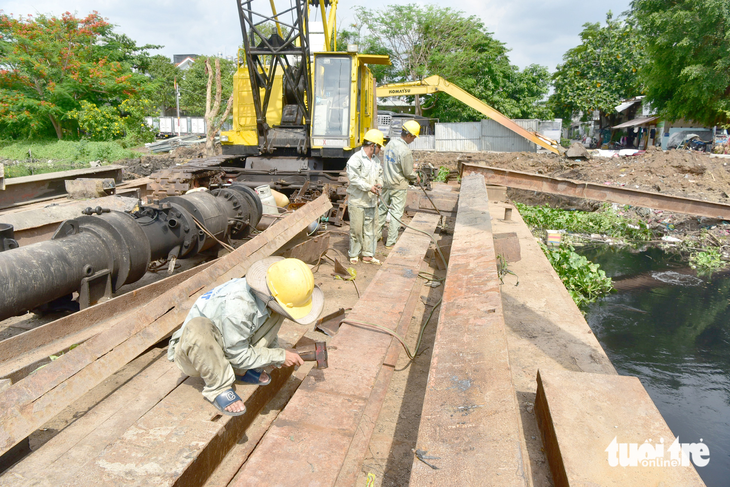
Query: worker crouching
[
  {"x": 230, "y": 333},
  {"x": 366, "y": 178}
]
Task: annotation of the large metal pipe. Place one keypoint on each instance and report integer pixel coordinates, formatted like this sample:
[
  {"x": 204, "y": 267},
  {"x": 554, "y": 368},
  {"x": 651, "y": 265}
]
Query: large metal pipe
[{"x": 96, "y": 255}]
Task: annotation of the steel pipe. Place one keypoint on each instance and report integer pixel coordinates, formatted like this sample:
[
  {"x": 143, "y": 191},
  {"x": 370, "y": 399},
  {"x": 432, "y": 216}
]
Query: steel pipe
[{"x": 96, "y": 255}]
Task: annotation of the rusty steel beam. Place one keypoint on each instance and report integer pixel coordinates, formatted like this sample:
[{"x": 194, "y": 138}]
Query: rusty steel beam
[
  {"x": 598, "y": 192},
  {"x": 28, "y": 404},
  {"x": 310, "y": 442},
  {"x": 44, "y": 186},
  {"x": 470, "y": 431}
]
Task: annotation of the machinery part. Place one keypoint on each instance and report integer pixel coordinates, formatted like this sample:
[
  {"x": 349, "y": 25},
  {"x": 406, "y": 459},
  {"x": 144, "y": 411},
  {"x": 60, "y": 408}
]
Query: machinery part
[
  {"x": 436, "y": 84},
  {"x": 314, "y": 352},
  {"x": 92, "y": 255},
  {"x": 7, "y": 237},
  {"x": 95, "y": 255}
]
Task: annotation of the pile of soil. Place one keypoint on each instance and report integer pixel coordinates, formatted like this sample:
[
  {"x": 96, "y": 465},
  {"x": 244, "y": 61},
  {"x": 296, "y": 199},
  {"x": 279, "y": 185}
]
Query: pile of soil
[
  {"x": 147, "y": 164},
  {"x": 675, "y": 172}
]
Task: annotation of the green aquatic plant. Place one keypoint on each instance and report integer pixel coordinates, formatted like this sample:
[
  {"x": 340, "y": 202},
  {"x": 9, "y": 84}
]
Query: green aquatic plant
[
  {"x": 605, "y": 221},
  {"x": 584, "y": 280}
]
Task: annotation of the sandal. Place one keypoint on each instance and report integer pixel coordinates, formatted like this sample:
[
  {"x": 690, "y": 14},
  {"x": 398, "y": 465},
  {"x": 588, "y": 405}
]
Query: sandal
[
  {"x": 225, "y": 399},
  {"x": 372, "y": 260},
  {"x": 253, "y": 376},
  {"x": 353, "y": 260}
]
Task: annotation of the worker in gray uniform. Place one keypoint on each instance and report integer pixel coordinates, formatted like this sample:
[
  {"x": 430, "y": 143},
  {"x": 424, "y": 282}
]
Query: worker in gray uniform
[
  {"x": 365, "y": 175},
  {"x": 230, "y": 333},
  {"x": 397, "y": 172}
]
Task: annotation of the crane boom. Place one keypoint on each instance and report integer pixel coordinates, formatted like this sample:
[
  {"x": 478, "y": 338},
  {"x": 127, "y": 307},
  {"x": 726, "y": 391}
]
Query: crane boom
[{"x": 436, "y": 84}]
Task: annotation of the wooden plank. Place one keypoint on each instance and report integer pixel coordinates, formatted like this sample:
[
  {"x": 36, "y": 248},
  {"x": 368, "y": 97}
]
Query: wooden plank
[
  {"x": 581, "y": 415},
  {"x": 599, "y": 192},
  {"x": 21, "y": 354},
  {"x": 470, "y": 422},
  {"x": 38, "y": 224},
  {"x": 63, "y": 459},
  {"x": 352, "y": 464},
  {"x": 240, "y": 452},
  {"x": 32, "y": 401},
  {"x": 178, "y": 441},
  {"x": 320, "y": 423},
  {"x": 50, "y": 185}
]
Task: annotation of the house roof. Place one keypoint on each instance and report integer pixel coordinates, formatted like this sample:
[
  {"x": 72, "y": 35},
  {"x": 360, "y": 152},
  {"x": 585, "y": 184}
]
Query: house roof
[{"x": 635, "y": 122}]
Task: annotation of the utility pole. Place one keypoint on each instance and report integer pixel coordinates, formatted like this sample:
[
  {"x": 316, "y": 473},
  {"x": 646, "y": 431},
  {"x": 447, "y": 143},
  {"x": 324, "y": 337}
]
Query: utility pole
[{"x": 177, "y": 103}]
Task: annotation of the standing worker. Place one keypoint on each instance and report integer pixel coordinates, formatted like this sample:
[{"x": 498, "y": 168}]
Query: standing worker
[
  {"x": 230, "y": 333},
  {"x": 366, "y": 179},
  {"x": 397, "y": 172}
]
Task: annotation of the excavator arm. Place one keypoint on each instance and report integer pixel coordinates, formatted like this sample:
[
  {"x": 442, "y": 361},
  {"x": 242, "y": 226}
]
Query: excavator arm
[{"x": 436, "y": 84}]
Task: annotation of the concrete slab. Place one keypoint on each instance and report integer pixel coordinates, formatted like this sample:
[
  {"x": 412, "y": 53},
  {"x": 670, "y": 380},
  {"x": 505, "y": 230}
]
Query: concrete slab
[{"x": 586, "y": 418}]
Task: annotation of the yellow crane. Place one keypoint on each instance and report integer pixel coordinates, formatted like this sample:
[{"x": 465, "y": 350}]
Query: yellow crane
[{"x": 436, "y": 84}]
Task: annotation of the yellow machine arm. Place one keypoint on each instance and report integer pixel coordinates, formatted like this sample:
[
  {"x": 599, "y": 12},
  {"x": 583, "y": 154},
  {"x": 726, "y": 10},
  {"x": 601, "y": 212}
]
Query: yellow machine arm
[{"x": 435, "y": 84}]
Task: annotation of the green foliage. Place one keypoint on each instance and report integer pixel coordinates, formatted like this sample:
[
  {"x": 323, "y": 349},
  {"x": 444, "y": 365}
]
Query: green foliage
[
  {"x": 57, "y": 155},
  {"x": 601, "y": 71},
  {"x": 50, "y": 64},
  {"x": 193, "y": 87},
  {"x": 110, "y": 123},
  {"x": 688, "y": 73},
  {"x": 584, "y": 280},
  {"x": 161, "y": 87},
  {"x": 707, "y": 261},
  {"x": 427, "y": 40},
  {"x": 442, "y": 175},
  {"x": 606, "y": 221}
]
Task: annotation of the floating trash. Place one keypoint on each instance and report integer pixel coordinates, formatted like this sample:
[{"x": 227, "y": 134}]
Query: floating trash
[{"x": 677, "y": 279}]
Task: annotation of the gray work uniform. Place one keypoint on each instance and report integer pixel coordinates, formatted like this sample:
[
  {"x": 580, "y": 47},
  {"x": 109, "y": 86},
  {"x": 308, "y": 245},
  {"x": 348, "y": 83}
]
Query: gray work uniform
[
  {"x": 397, "y": 172},
  {"x": 363, "y": 173},
  {"x": 227, "y": 331}
]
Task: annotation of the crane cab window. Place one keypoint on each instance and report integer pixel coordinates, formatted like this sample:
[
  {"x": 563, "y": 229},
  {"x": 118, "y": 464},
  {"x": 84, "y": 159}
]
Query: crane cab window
[{"x": 332, "y": 82}]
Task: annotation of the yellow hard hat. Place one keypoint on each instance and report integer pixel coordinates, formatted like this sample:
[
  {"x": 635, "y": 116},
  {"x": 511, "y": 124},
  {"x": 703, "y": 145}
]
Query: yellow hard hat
[
  {"x": 375, "y": 136},
  {"x": 412, "y": 127},
  {"x": 291, "y": 283}
]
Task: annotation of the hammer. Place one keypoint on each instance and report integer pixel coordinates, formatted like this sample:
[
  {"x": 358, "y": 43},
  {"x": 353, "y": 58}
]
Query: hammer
[{"x": 312, "y": 352}]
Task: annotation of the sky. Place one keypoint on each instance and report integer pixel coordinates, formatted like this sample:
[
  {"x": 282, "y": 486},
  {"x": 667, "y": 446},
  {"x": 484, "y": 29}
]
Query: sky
[{"x": 536, "y": 32}]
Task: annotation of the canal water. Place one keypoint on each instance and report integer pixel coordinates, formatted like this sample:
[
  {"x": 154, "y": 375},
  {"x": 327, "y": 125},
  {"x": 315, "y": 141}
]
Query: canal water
[{"x": 671, "y": 329}]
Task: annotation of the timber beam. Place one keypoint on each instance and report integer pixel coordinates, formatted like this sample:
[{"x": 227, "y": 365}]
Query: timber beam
[
  {"x": 598, "y": 192},
  {"x": 28, "y": 404},
  {"x": 321, "y": 436},
  {"x": 46, "y": 186},
  {"x": 470, "y": 431}
]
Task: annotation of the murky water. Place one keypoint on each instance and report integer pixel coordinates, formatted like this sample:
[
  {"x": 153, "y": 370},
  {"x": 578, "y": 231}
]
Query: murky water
[{"x": 672, "y": 330}]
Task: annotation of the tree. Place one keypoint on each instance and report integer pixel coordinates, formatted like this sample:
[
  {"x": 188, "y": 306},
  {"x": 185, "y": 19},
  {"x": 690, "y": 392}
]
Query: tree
[
  {"x": 161, "y": 89},
  {"x": 194, "y": 85},
  {"x": 601, "y": 71},
  {"x": 49, "y": 65},
  {"x": 213, "y": 119},
  {"x": 688, "y": 72},
  {"x": 423, "y": 41}
]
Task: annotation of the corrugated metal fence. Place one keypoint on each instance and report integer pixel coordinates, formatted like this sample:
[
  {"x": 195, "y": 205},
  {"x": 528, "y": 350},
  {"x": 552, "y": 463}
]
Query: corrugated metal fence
[{"x": 486, "y": 135}]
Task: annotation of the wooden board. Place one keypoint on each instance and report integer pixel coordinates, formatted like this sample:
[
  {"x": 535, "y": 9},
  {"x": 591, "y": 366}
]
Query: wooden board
[
  {"x": 21, "y": 354},
  {"x": 581, "y": 414},
  {"x": 470, "y": 422},
  {"x": 32, "y": 401},
  {"x": 308, "y": 444}
]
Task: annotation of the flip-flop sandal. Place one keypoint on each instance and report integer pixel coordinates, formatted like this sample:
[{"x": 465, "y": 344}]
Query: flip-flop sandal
[
  {"x": 372, "y": 261},
  {"x": 253, "y": 376},
  {"x": 353, "y": 260},
  {"x": 225, "y": 399}
]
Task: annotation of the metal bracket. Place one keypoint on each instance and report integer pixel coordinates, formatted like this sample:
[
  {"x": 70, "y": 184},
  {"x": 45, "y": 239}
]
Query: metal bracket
[{"x": 95, "y": 288}]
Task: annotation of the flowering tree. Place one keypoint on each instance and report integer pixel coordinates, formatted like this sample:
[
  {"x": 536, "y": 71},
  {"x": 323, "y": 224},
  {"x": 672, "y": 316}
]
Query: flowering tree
[{"x": 49, "y": 65}]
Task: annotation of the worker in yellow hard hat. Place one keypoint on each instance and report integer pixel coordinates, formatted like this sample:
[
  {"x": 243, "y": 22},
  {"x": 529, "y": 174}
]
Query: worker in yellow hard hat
[
  {"x": 366, "y": 178},
  {"x": 397, "y": 173},
  {"x": 230, "y": 333}
]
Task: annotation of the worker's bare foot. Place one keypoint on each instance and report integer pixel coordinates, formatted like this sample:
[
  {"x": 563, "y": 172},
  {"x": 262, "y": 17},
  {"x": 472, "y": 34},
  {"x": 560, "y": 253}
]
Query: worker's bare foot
[{"x": 236, "y": 407}]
